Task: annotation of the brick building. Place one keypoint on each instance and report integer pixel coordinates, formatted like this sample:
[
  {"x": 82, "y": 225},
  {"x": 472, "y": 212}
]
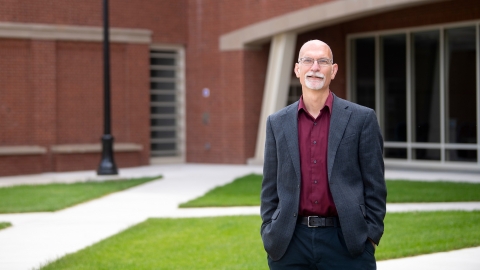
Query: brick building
[{"x": 193, "y": 80}]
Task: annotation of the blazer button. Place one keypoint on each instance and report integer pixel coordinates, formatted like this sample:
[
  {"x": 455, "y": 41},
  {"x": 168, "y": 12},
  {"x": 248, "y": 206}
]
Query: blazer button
[{"x": 295, "y": 214}]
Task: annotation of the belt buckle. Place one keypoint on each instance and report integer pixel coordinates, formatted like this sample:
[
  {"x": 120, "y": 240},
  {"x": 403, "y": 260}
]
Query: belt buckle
[{"x": 308, "y": 221}]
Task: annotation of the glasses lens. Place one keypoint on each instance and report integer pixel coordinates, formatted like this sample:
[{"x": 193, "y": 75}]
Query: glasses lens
[
  {"x": 309, "y": 61},
  {"x": 323, "y": 62}
]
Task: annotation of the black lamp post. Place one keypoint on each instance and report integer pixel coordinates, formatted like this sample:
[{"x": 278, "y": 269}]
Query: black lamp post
[{"x": 107, "y": 164}]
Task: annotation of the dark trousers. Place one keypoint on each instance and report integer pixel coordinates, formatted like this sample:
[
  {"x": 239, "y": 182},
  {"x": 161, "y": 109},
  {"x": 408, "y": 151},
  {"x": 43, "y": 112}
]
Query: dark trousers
[{"x": 322, "y": 248}]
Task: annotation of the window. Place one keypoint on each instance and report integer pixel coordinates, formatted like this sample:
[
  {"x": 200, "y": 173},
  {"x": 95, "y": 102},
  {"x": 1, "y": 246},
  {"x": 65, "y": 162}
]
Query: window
[
  {"x": 166, "y": 103},
  {"x": 423, "y": 85}
]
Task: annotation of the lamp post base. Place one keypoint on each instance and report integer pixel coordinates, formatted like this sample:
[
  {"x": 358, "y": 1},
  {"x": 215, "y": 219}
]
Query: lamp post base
[{"x": 107, "y": 164}]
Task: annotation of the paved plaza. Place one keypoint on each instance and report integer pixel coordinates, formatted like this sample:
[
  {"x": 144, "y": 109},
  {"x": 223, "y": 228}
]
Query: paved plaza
[{"x": 37, "y": 238}]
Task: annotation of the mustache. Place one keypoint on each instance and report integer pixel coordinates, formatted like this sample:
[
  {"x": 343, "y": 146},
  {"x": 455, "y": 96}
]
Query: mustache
[{"x": 315, "y": 74}]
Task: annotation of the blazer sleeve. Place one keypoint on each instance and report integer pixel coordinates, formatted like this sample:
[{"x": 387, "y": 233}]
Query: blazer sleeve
[
  {"x": 373, "y": 175},
  {"x": 269, "y": 197}
]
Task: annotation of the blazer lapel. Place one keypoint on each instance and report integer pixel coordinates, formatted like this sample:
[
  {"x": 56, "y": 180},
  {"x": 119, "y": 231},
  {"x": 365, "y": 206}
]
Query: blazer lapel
[
  {"x": 338, "y": 123},
  {"x": 290, "y": 128}
]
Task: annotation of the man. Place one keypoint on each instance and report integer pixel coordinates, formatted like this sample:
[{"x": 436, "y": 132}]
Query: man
[{"x": 323, "y": 197}]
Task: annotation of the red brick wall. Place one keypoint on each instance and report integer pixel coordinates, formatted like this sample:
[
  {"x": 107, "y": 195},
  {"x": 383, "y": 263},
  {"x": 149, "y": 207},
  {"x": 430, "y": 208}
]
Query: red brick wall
[
  {"x": 235, "y": 79},
  {"x": 52, "y": 91},
  {"x": 24, "y": 164},
  {"x": 165, "y": 18},
  {"x": 15, "y": 93},
  {"x": 255, "y": 74}
]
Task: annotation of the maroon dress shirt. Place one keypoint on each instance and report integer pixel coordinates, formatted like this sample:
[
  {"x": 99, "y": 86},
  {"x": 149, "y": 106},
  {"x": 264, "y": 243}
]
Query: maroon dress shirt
[{"x": 315, "y": 196}]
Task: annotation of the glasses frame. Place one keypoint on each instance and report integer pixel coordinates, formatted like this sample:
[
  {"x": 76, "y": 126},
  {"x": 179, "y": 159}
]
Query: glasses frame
[{"x": 329, "y": 61}]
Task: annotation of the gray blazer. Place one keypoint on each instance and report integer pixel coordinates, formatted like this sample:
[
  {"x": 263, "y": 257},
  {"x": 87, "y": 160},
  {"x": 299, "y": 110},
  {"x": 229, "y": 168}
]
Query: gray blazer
[{"x": 355, "y": 175}]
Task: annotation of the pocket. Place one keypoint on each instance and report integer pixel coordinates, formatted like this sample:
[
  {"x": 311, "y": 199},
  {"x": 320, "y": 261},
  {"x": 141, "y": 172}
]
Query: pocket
[
  {"x": 369, "y": 248},
  {"x": 348, "y": 138},
  {"x": 275, "y": 214}
]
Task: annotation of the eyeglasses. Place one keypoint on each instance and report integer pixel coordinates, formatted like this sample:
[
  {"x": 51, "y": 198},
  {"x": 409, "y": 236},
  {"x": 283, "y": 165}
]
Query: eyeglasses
[{"x": 307, "y": 61}]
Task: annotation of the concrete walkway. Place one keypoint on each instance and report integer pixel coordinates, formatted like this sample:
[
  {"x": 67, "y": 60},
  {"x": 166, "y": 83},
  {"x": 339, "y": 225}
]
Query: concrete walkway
[{"x": 37, "y": 238}]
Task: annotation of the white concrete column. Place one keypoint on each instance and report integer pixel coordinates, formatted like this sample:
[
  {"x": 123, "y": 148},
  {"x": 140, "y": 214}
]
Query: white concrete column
[{"x": 275, "y": 93}]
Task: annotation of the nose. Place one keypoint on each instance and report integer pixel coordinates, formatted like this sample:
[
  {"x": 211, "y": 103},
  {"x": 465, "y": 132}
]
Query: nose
[{"x": 315, "y": 66}]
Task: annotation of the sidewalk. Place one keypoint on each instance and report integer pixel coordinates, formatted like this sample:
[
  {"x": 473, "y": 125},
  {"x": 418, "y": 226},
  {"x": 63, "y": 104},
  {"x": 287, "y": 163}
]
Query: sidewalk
[{"x": 37, "y": 238}]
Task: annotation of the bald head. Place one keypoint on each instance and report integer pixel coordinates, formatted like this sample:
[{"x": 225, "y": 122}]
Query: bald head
[{"x": 312, "y": 45}]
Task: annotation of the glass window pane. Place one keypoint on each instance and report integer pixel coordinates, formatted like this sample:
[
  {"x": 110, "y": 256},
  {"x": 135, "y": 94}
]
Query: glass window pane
[
  {"x": 427, "y": 154},
  {"x": 461, "y": 86},
  {"x": 164, "y": 146},
  {"x": 294, "y": 93},
  {"x": 162, "y": 61},
  {"x": 162, "y": 110},
  {"x": 462, "y": 155},
  {"x": 364, "y": 71},
  {"x": 162, "y": 122},
  {"x": 394, "y": 84},
  {"x": 167, "y": 134},
  {"x": 400, "y": 153},
  {"x": 426, "y": 86},
  {"x": 163, "y": 98},
  {"x": 162, "y": 73},
  {"x": 162, "y": 85}
]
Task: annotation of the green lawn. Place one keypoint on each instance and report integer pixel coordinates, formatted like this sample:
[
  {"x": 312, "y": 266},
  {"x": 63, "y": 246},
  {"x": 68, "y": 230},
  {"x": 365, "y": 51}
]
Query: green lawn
[
  {"x": 53, "y": 197},
  {"x": 4, "y": 225},
  {"x": 235, "y": 243},
  {"x": 400, "y": 191},
  {"x": 245, "y": 191}
]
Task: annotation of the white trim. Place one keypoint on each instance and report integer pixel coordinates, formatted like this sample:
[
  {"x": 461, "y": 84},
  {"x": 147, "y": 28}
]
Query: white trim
[
  {"x": 277, "y": 83},
  {"x": 351, "y": 70},
  {"x": 443, "y": 156},
  {"x": 439, "y": 26},
  {"x": 432, "y": 165},
  {"x": 94, "y": 148},
  {"x": 71, "y": 32},
  {"x": 313, "y": 17},
  {"x": 22, "y": 150},
  {"x": 166, "y": 160},
  {"x": 408, "y": 98},
  {"x": 378, "y": 81},
  {"x": 477, "y": 40}
]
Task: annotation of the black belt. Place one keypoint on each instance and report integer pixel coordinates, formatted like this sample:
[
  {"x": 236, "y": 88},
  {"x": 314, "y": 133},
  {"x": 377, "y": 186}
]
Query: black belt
[{"x": 314, "y": 221}]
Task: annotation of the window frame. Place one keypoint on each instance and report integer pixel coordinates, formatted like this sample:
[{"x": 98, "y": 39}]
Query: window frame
[
  {"x": 411, "y": 146},
  {"x": 178, "y": 155}
]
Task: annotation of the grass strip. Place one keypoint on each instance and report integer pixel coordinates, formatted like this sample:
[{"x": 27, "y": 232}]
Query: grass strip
[
  {"x": 415, "y": 233},
  {"x": 235, "y": 243},
  {"x": 53, "y": 197},
  {"x": 245, "y": 191},
  {"x": 4, "y": 225},
  {"x": 400, "y": 191}
]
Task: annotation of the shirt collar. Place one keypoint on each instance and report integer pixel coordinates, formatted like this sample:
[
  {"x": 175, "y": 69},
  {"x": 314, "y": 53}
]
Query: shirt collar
[{"x": 328, "y": 103}]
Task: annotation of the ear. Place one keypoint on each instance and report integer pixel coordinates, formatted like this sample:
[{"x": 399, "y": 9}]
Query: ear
[
  {"x": 334, "y": 71},
  {"x": 296, "y": 69}
]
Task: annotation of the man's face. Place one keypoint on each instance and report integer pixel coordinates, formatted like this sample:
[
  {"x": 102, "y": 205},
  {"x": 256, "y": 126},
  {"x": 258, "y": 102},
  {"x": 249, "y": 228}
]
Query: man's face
[{"x": 315, "y": 76}]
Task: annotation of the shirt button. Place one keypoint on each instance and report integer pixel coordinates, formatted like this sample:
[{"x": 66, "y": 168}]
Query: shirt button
[
  {"x": 315, "y": 181},
  {"x": 315, "y": 161},
  {"x": 316, "y": 202},
  {"x": 314, "y": 142},
  {"x": 314, "y": 123}
]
